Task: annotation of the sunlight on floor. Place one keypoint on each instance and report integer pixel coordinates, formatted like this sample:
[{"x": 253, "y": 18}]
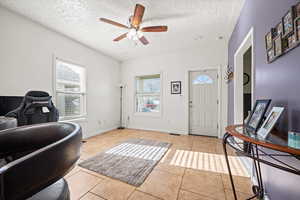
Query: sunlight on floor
[
  {"x": 208, "y": 162},
  {"x": 138, "y": 151}
]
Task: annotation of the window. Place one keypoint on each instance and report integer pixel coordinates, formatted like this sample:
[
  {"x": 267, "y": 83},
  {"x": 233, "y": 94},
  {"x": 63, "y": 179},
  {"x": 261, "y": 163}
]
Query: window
[
  {"x": 202, "y": 79},
  {"x": 70, "y": 87},
  {"x": 148, "y": 98}
]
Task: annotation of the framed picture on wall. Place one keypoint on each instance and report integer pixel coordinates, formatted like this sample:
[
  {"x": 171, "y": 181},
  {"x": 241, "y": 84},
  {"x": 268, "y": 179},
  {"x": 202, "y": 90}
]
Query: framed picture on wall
[
  {"x": 285, "y": 36},
  {"x": 175, "y": 87},
  {"x": 288, "y": 22},
  {"x": 270, "y": 122},
  {"x": 269, "y": 39},
  {"x": 278, "y": 29},
  {"x": 270, "y": 55},
  {"x": 278, "y": 45},
  {"x": 297, "y": 10},
  {"x": 292, "y": 40},
  {"x": 297, "y": 27}
]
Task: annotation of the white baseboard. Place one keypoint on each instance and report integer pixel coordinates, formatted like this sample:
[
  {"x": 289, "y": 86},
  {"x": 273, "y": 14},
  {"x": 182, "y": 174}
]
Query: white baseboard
[
  {"x": 99, "y": 132},
  {"x": 248, "y": 163},
  {"x": 159, "y": 130}
]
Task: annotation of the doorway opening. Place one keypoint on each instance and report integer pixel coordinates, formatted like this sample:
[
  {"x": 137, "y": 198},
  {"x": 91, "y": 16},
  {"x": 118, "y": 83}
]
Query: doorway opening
[{"x": 247, "y": 82}]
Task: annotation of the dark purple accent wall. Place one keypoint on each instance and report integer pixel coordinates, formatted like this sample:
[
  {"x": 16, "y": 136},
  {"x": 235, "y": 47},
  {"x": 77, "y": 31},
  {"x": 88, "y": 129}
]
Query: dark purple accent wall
[{"x": 279, "y": 81}]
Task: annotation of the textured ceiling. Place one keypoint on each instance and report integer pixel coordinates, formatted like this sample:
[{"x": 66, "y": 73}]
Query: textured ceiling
[{"x": 192, "y": 23}]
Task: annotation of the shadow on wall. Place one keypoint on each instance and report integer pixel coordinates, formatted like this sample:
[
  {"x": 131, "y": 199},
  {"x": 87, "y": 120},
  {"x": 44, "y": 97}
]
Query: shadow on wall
[
  {"x": 284, "y": 119},
  {"x": 290, "y": 116},
  {"x": 295, "y": 119}
]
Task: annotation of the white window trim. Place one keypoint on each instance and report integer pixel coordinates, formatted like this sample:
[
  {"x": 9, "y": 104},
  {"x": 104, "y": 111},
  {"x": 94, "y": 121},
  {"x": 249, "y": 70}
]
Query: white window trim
[
  {"x": 148, "y": 114},
  {"x": 82, "y": 117}
]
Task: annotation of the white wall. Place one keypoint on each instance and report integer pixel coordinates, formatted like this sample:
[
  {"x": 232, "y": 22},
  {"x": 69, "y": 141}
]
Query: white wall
[
  {"x": 26, "y": 63},
  {"x": 174, "y": 67}
]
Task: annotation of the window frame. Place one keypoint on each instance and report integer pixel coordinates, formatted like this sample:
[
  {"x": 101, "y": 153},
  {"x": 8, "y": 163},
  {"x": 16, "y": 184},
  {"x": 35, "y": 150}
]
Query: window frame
[
  {"x": 148, "y": 114},
  {"x": 83, "y": 115}
]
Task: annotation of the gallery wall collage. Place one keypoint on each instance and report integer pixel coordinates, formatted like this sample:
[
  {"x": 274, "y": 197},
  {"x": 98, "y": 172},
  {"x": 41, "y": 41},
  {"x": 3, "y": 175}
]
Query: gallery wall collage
[{"x": 285, "y": 36}]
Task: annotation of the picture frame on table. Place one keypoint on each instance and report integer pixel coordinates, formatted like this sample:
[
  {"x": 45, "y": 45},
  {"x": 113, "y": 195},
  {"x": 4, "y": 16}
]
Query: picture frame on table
[
  {"x": 270, "y": 122},
  {"x": 288, "y": 22},
  {"x": 175, "y": 87},
  {"x": 257, "y": 114}
]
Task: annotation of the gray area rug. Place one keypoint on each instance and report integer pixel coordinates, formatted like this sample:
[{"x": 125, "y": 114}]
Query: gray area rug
[{"x": 130, "y": 162}]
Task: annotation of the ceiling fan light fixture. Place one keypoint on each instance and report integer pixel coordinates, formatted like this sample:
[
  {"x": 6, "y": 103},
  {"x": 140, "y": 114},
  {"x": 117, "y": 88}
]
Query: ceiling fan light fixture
[
  {"x": 131, "y": 34},
  {"x": 139, "y": 34},
  {"x": 134, "y": 23}
]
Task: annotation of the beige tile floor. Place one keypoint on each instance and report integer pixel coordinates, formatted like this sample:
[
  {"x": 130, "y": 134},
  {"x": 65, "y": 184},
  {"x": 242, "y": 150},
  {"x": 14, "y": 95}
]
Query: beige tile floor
[{"x": 167, "y": 182}]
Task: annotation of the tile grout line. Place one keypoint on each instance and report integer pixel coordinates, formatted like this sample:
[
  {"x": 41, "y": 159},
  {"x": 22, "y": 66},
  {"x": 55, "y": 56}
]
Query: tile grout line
[
  {"x": 96, "y": 186},
  {"x": 100, "y": 179},
  {"x": 97, "y": 195},
  {"x": 223, "y": 186},
  {"x": 149, "y": 194},
  {"x": 181, "y": 183},
  {"x": 71, "y": 175},
  {"x": 199, "y": 194},
  {"x": 131, "y": 193},
  {"x": 100, "y": 176}
]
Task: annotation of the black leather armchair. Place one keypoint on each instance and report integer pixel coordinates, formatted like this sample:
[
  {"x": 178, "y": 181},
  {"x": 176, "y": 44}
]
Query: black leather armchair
[{"x": 51, "y": 150}]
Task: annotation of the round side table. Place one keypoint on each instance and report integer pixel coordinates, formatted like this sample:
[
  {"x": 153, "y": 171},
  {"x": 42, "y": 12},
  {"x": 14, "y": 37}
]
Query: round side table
[{"x": 7, "y": 122}]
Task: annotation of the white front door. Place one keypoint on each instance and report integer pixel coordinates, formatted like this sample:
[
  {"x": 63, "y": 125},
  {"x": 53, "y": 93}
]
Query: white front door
[{"x": 203, "y": 102}]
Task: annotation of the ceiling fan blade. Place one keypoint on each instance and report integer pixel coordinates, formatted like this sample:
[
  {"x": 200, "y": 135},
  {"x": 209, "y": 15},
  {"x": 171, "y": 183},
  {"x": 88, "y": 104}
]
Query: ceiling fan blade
[
  {"x": 113, "y": 23},
  {"x": 138, "y": 15},
  {"x": 144, "y": 40},
  {"x": 120, "y": 37},
  {"x": 155, "y": 29}
]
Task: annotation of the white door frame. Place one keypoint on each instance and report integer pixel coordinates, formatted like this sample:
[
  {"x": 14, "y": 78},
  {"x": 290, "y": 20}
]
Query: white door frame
[
  {"x": 187, "y": 96},
  {"x": 238, "y": 88},
  {"x": 238, "y": 76}
]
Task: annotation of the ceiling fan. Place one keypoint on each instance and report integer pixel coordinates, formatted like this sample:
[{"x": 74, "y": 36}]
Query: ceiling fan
[{"x": 135, "y": 32}]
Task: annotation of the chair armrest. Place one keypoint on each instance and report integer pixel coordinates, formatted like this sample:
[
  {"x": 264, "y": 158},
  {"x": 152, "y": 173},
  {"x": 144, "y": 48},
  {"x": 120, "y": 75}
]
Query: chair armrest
[
  {"x": 26, "y": 176},
  {"x": 30, "y": 138}
]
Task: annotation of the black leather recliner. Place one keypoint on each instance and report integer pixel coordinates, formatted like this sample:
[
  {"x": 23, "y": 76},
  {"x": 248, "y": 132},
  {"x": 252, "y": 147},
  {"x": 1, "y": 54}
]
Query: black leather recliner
[
  {"x": 37, "y": 107},
  {"x": 52, "y": 149}
]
